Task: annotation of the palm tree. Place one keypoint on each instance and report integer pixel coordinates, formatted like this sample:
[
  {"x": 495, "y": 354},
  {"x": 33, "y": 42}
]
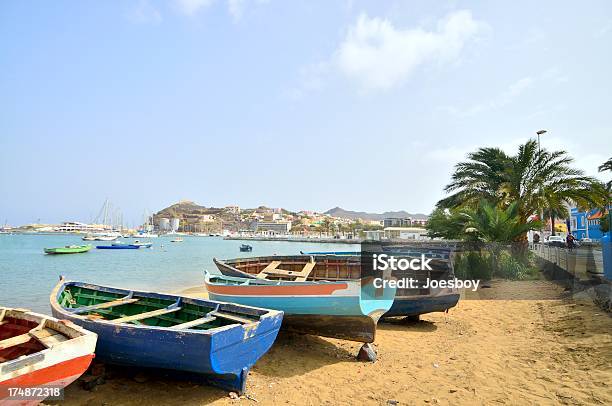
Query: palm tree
[
  {"x": 607, "y": 166},
  {"x": 533, "y": 179},
  {"x": 490, "y": 223}
]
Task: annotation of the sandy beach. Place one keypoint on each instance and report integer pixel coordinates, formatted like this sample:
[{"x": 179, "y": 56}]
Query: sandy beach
[{"x": 556, "y": 351}]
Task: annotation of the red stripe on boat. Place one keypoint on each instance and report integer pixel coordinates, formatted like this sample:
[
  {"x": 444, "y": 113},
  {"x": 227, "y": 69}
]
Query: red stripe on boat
[
  {"x": 48, "y": 375},
  {"x": 293, "y": 290}
]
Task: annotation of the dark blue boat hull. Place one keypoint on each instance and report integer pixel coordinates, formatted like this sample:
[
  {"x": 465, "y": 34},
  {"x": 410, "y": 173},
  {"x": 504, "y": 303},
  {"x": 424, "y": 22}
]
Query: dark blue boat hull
[
  {"x": 221, "y": 356},
  {"x": 117, "y": 247},
  {"x": 415, "y": 305}
]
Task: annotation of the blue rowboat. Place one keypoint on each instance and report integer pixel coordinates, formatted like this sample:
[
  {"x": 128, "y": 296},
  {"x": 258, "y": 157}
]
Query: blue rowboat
[
  {"x": 219, "y": 341},
  {"x": 343, "y": 309},
  {"x": 339, "y": 266}
]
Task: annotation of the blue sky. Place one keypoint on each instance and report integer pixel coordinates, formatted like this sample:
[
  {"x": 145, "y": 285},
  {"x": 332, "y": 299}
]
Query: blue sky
[{"x": 305, "y": 105}]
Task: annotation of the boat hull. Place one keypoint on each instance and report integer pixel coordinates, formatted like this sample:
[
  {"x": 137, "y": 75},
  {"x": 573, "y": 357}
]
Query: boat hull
[
  {"x": 117, "y": 247},
  {"x": 66, "y": 250},
  {"x": 220, "y": 356},
  {"x": 344, "y": 309},
  {"x": 415, "y": 305},
  {"x": 57, "y": 366}
]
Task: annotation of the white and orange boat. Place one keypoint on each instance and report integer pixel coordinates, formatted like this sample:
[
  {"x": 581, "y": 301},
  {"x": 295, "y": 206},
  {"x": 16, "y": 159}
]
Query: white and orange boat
[{"x": 38, "y": 351}]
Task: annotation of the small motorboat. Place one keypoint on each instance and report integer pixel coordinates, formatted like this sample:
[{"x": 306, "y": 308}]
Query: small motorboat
[
  {"x": 142, "y": 244},
  {"x": 218, "y": 341},
  {"x": 118, "y": 246},
  {"x": 177, "y": 239},
  {"x": 40, "y": 351},
  {"x": 246, "y": 248},
  {"x": 68, "y": 249}
]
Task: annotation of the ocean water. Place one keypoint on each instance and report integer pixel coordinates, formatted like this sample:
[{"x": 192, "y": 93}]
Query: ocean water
[{"x": 27, "y": 275}]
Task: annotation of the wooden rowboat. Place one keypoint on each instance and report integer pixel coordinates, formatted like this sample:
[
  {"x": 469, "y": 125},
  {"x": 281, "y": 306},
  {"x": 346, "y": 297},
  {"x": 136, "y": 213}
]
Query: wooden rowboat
[
  {"x": 218, "y": 341},
  {"x": 68, "y": 249},
  {"x": 342, "y": 266},
  {"x": 345, "y": 307},
  {"x": 38, "y": 350}
]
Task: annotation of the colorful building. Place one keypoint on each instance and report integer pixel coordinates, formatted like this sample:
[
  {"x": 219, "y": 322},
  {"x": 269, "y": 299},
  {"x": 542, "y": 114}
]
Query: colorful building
[{"x": 586, "y": 224}]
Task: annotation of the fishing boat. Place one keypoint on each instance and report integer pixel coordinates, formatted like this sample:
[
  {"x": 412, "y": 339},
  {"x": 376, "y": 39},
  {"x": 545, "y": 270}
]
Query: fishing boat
[
  {"x": 344, "y": 307},
  {"x": 101, "y": 237},
  {"x": 145, "y": 235},
  {"x": 337, "y": 266},
  {"x": 177, "y": 239},
  {"x": 142, "y": 244},
  {"x": 38, "y": 351},
  {"x": 218, "y": 341},
  {"x": 68, "y": 249},
  {"x": 246, "y": 248},
  {"x": 118, "y": 246}
]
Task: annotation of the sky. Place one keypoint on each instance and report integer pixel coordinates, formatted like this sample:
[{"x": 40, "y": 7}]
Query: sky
[{"x": 366, "y": 105}]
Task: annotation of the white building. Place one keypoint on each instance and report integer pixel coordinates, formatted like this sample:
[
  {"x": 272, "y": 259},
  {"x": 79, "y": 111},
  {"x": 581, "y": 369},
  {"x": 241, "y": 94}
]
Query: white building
[
  {"x": 405, "y": 233},
  {"x": 76, "y": 227},
  {"x": 233, "y": 209},
  {"x": 278, "y": 227},
  {"x": 164, "y": 224},
  {"x": 174, "y": 224}
]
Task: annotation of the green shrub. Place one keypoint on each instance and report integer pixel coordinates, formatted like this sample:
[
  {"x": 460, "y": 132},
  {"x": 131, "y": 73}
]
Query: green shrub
[{"x": 473, "y": 265}]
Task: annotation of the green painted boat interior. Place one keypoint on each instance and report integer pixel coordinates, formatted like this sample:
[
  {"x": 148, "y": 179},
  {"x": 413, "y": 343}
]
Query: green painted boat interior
[{"x": 73, "y": 297}]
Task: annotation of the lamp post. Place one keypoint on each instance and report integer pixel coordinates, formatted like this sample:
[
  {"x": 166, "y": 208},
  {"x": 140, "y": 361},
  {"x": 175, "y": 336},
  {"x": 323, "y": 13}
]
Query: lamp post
[{"x": 541, "y": 132}]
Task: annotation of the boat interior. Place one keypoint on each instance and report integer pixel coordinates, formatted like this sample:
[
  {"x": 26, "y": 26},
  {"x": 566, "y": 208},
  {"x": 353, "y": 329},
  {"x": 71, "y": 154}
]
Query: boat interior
[
  {"x": 333, "y": 268},
  {"x": 168, "y": 312},
  {"x": 21, "y": 336}
]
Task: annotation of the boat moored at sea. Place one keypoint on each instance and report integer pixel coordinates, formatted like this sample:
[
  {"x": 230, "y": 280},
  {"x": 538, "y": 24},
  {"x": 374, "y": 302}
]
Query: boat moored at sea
[
  {"x": 218, "y": 341},
  {"x": 119, "y": 246},
  {"x": 68, "y": 249},
  {"x": 246, "y": 248},
  {"x": 38, "y": 351},
  {"x": 346, "y": 308}
]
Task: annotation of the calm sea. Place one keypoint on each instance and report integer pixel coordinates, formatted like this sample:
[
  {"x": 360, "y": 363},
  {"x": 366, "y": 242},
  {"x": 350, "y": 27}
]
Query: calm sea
[{"x": 27, "y": 275}]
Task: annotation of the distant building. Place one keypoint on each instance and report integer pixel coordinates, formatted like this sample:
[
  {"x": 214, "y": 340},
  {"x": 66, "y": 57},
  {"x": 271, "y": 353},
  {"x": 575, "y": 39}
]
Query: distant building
[
  {"x": 277, "y": 216},
  {"x": 397, "y": 222},
  {"x": 374, "y": 235},
  {"x": 164, "y": 224},
  {"x": 587, "y": 224},
  {"x": 174, "y": 224},
  {"x": 233, "y": 209},
  {"x": 76, "y": 227},
  {"x": 278, "y": 227},
  {"x": 405, "y": 233}
]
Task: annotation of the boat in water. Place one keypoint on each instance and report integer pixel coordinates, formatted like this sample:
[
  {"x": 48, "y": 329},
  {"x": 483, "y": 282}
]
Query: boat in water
[
  {"x": 68, "y": 249},
  {"x": 119, "y": 246},
  {"x": 218, "y": 341},
  {"x": 142, "y": 244},
  {"x": 144, "y": 235},
  {"x": 246, "y": 248},
  {"x": 338, "y": 266},
  {"x": 177, "y": 239},
  {"x": 101, "y": 237},
  {"x": 38, "y": 351},
  {"x": 346, "y": 307}
]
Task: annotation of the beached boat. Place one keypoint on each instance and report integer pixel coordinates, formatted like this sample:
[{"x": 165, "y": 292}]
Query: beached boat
[
  {"x": 68, "y": 249},
  {"x": 346, "y": 308},
  {"x": 246, "y": 248},
  {"x": 38, "y": 350},
  {"x": 218, "y": 341},
  {"x": 338, "y": 266}
]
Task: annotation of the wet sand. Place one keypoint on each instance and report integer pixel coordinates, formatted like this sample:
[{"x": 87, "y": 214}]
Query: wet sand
[{"x": 556, "y": 351}]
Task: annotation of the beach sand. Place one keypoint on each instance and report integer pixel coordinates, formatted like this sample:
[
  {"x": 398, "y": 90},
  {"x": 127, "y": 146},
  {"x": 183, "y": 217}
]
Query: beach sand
[{"x": 556, "y": 351}]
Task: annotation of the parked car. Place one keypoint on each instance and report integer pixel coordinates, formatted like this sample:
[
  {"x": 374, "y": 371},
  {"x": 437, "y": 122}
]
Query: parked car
[{"x": 556, "y": 241}]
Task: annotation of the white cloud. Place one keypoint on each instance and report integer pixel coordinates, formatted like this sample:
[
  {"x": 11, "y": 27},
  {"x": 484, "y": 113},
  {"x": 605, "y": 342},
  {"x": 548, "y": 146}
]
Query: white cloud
[
  {"x": 379, "y": 55},
  {"x": 191, "y": 7},
  {"x": 236, "y": 8},
  {"x": 144, "y": 12}
]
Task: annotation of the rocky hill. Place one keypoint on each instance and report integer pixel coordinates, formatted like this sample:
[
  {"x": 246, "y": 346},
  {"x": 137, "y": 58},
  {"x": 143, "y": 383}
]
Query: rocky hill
[{"x": 353, "y": 215}]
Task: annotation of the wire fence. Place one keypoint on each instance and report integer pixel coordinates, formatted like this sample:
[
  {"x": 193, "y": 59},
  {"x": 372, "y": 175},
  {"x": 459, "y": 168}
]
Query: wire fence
[{"x": 582, "y": 263}]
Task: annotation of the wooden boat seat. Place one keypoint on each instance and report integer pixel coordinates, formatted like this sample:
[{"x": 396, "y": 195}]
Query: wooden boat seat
[
  {"x": 232, "y": 317},
  {"x": 48, "y": 337},
  {"x": 272, "y": 269},
  {"x": 146, "y": 315},
  {"x": 268, "y": 269},
  {"x": 104, "y": 305},
  {"x": 194, "y": 323}
]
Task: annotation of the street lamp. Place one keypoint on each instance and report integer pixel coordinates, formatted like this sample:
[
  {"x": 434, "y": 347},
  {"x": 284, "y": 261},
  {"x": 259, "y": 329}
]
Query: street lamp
[{"x": 542, "y": 132}]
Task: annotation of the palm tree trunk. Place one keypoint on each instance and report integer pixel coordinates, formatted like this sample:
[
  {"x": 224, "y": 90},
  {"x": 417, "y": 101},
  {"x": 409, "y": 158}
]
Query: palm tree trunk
[{"x": 552, "y": 224}]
